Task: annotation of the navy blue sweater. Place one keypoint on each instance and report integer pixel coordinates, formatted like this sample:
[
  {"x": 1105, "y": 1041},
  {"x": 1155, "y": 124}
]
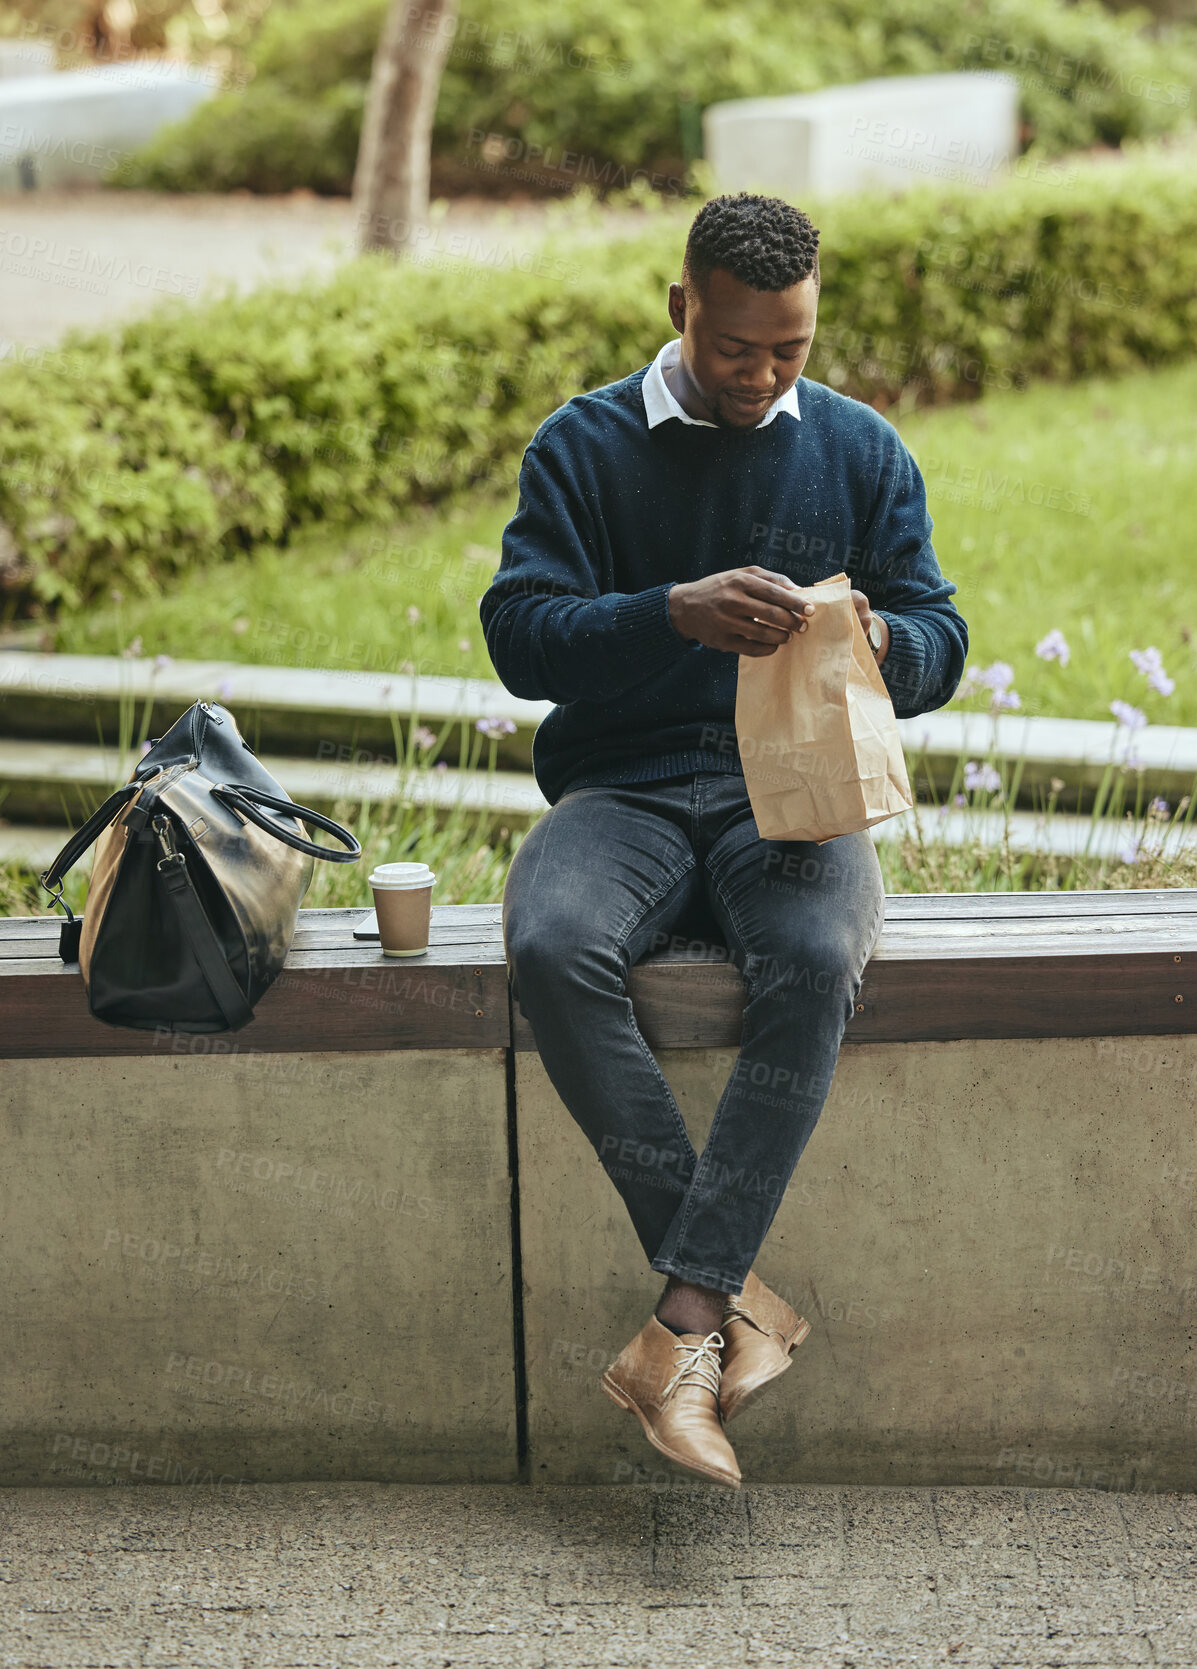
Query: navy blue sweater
[{"x": 611, "y": 514}]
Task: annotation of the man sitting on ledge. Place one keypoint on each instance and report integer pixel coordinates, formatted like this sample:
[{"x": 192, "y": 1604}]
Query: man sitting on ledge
[{"x": 666, "y": 525}]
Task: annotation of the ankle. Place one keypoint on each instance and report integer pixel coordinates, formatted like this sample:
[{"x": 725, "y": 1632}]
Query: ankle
[{"x": 685, "y": 1307}]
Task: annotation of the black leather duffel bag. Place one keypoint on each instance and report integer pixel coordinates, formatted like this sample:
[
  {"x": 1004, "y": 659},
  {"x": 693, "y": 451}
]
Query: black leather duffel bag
[{"x": 195, "y": 888}]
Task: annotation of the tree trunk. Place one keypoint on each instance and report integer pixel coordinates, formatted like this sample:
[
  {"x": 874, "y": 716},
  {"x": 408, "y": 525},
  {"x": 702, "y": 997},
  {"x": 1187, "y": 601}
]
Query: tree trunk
[{"x": 390, "y": 182}]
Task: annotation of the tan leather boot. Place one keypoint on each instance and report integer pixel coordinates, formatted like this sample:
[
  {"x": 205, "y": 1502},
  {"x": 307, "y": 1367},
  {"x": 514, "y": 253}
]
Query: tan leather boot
[
  {"x": 761, "y": 1330},
  {"x": 671, "y": 1384}
]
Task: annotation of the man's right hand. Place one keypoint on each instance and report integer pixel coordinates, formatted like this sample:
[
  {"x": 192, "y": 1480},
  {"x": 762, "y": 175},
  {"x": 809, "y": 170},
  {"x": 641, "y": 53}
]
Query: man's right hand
[{"x": 747, "y": 611}]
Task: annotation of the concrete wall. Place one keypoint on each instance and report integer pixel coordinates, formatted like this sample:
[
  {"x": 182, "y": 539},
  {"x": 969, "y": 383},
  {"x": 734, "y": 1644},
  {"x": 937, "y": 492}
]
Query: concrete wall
[
  {"x": 226, "y": 1265},
  {"x": 221, "y": 1264},
  {"x": 993, "y": 1242}
]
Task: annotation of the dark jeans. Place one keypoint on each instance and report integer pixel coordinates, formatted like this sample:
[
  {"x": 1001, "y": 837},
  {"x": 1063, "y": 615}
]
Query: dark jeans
[{"x": 606, "y": 877}]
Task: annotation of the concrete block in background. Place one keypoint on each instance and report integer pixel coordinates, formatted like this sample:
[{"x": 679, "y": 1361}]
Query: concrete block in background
[
  {"x": 19, "y": 57},
  {"x": 992, "y": 1241},
  {"x": 896, "y": 132},
  {"x": 70, "y": 129},
  {"x": 221, "y": 1263}
]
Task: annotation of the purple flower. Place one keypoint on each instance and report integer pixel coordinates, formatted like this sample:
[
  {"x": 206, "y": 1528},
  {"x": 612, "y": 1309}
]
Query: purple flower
[
  {"x": 225, "y": 688},
  {"x": 996, "y": 678},
  {"x": 1129, "y": 848},
  {"x": 1053, "y": 647},
  {"x": 494, "y": 728},
  {"x": 145, "y": 748},
  {"x": 441, "y": 765},
  {"x": 1158, "y": 807},
  {"x": 424, "y": 737},
  {"x": 1150, "y": 663},
  {"x": 1130, "y": 716},
  {"x": 982, "y": 776},
  {"x": 161, "y": 662}
]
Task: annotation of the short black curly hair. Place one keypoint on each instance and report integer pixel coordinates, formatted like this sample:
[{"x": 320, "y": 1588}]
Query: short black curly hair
[{"x": 764, "y": 242}]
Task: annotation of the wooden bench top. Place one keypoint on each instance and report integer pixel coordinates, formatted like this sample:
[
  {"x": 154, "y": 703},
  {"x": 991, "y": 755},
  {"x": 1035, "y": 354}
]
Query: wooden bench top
[{"x": 949, "y": 965}]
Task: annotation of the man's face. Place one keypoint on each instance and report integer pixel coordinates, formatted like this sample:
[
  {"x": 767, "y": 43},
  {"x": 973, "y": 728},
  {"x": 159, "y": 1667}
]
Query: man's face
[{"x": 742, "y": 349}]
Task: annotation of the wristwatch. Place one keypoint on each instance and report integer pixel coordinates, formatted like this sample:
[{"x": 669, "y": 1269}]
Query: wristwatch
[{"x": 874, "y": 636}]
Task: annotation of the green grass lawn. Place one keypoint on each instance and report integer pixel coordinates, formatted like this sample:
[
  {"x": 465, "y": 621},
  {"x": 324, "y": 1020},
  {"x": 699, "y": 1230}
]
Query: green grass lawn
[
  {"x": 1063, "y": 507},
  {"x": 1072, "y": 508}
]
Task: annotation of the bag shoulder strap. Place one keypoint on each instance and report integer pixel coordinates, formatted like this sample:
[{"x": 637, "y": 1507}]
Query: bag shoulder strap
[{"x": 229, "y": 997}]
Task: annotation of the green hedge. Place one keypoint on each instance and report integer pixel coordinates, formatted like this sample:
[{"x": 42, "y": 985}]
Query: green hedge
[
  {"x": 608, "y": 80},
  {"x": 199, "y": 431}
]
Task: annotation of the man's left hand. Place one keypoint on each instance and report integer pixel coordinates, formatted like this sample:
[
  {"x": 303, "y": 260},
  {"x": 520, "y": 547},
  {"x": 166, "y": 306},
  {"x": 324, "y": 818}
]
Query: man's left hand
[{"x": 866, "y": 616}]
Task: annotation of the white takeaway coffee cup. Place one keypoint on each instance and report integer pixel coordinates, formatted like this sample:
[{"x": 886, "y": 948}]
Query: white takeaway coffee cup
[{"x": 403, "y": 906}]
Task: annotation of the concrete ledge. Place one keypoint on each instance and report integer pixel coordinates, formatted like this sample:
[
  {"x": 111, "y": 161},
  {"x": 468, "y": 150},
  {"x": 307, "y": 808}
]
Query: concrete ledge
[
  {"x": 334, "y": 994},
  {"x": 349, "y": 718},
  {"x": 264, "y": 1266},
  {"x": 992, "y": 1241},
  {"x": 364, "y": 1239},
  {"x": 70, "y": 128},
  {"x": 947, "y": 965},
  {"x": 894, "y": 131},
  {"x": 39, "y": 779}
]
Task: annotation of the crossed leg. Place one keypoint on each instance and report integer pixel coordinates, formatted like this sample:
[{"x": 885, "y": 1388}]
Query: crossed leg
[{"x": 604, "y": 876}]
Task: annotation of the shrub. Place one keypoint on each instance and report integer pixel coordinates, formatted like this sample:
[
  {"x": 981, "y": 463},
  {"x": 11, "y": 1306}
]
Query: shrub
[
  {"x": 297, "y": 123},
  {"x": 272, "y": 141},
  {"x": 197, "y": 431},
  {"x": 611, "y": 80}
]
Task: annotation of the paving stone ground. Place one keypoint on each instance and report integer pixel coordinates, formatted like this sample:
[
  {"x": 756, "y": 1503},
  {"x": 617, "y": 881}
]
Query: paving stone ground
[
  {"x": 647, "y": 1575},
  {"x": 87, "y": 259}
]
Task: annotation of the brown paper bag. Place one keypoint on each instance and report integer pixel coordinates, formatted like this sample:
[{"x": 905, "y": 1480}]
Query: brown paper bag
[{"x": 817, "y": 734}]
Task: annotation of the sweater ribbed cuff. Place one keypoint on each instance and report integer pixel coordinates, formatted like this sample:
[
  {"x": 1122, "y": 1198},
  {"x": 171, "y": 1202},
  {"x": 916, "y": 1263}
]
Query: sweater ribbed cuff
[
  {"x": 903, "y": 669},
  {"x": 646, "y": 630}
]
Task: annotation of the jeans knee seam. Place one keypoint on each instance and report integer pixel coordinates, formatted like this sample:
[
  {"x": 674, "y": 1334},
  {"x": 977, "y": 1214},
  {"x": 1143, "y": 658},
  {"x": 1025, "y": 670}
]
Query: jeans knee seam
[{"x": 748, "y": 977}]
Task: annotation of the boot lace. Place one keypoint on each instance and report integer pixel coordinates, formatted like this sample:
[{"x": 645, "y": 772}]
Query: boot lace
[
  {"x": 733, "y": 1310},
  {"x": 700, "y": 1365}
]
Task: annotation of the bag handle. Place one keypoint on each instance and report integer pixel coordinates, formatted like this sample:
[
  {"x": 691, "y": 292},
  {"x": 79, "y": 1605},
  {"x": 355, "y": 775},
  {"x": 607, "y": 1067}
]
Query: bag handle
[
  {"x": 240, "y": 797},
  {"x": 82, "y": 838}
]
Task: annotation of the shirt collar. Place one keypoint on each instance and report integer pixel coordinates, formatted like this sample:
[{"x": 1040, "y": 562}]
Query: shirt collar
[{"x": 659, "y": 403}]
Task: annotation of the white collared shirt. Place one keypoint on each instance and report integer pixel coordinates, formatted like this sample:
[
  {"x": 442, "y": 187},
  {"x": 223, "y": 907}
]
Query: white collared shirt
[{"x": 659, "y": 403}]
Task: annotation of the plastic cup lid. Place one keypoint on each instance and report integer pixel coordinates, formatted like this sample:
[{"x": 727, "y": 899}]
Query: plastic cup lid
[{"x": 390, "y": 875}]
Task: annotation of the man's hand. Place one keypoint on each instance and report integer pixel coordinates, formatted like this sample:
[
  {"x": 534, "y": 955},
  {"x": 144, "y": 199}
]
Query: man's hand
[
  {"x": 747, "y": 611},
  {"x": 866, "y": 615}
]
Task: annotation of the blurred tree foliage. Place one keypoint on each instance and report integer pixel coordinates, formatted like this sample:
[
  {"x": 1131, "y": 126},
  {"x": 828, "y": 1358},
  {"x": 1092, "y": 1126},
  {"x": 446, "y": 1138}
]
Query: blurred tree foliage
[
  {"x": 98, "y": 31},
  {"x": 616, "y": 84}
]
